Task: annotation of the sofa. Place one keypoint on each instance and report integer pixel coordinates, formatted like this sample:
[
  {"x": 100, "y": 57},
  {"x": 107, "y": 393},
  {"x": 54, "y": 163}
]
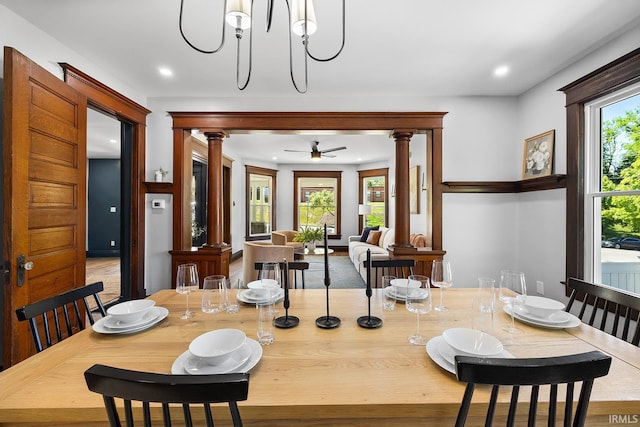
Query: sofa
[
  {"x": 379, "y": 244},
  {"x": 384, "y": 237}
]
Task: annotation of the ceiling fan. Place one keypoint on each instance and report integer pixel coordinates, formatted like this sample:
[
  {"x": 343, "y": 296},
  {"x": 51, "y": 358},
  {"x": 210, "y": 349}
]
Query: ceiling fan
[{"x": 316, "y": 154}]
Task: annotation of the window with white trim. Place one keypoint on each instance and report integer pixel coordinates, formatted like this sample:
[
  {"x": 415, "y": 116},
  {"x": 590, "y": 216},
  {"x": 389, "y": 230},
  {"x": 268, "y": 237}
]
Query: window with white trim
[{"x": 612, "y": 190}]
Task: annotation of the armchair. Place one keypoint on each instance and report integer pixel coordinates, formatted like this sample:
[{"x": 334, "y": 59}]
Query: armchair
[
  {"x": 285, "y": 237},
  {"x": 262, "y": 252}
]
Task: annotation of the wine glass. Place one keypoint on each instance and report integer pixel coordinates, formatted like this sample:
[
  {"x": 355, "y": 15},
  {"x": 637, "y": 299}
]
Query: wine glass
[
  {"x": 418, "y": 301},
  {"x": 441, "y": 278},
  {"x": 513, "y": 291},
  {"x": 187, "y": 282}
]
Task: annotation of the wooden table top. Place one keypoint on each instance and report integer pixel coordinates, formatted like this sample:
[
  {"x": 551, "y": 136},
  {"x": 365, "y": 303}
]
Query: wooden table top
[{"x": 312, "y": 376}]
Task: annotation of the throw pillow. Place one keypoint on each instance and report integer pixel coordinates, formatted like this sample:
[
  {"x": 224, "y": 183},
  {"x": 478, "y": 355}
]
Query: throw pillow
[
  {"x": 373, "y": 238},
  {"x": 365, "y": 233}
]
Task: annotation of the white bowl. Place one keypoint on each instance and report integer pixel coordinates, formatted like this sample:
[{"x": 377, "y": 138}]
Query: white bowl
[
  {"x": 400, "y": 286},
  {"x": 542, "y": 307},
  {"x": 472, "y": 342},
  {"x": 130, "y": 311},
  {"x": 214, "y": 347}
]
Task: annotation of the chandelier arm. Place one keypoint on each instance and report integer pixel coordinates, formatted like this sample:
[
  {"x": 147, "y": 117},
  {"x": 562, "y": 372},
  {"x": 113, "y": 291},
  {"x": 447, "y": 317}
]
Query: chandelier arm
[
  {"x": 269, "y": 14},
  {"x": 194, "y": 47},
  {"x": 293, "y": 80},
  {"x": 306, "y": 46},
  {"x": 239, "y": 37}
]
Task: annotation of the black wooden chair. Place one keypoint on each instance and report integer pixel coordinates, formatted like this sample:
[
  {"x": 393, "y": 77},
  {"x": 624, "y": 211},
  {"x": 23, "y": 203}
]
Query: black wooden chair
[
  {"x": 54, "y": 307},
  {"x": 185, "y": 392},
  {"x": 400, "y": 268},
  {"x": 297, "y": 268},
  {"x": 534, "y": 372},
  {"x": 599, "y": 302}
]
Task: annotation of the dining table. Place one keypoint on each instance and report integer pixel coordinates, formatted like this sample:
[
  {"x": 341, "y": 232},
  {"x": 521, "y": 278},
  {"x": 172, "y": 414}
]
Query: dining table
[{"x": 312, "y": 376}]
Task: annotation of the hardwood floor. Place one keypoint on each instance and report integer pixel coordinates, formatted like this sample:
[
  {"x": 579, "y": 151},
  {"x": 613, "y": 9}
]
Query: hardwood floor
[{"x": 106, "y": 270}]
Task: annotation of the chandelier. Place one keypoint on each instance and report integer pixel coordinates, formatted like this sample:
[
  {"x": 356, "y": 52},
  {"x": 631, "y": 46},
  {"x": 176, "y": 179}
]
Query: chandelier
[{"x": 239, "y": 15}]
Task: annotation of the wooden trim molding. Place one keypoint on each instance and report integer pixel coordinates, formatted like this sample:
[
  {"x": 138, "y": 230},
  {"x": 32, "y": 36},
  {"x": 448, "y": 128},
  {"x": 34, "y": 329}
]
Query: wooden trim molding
[
  {"x": 430, "y": 123},
  {"x": 549, "y": 182},
  {"x": 621, "y": 73},
  {"x": 105, "y": 99}
]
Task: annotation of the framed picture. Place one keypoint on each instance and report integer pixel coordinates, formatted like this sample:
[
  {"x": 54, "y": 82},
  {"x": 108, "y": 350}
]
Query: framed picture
[
  {"x": 538, "y": 155},
  {"x": 414, "y": 194}
]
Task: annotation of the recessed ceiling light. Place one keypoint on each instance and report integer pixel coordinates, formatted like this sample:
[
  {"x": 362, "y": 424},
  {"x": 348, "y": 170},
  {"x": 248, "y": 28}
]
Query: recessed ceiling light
[
  {"x": 501, "y": 71},
  {"x": 164, "y": 71},
  {"x": 113, "y": 141},
  {"x": 274, "y": 158}
]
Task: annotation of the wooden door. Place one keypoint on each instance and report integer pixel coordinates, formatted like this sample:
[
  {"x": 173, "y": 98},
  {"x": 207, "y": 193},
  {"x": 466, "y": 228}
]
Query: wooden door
[{"x": 45, "y": 123}]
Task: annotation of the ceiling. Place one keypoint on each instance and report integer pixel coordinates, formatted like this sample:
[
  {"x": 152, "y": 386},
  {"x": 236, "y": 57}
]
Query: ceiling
[{"x": 399, "y": 48}]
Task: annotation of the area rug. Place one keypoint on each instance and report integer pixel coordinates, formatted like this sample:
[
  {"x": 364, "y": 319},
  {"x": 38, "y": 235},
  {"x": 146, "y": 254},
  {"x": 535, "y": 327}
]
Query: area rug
[{"x": 342, "y": 272}]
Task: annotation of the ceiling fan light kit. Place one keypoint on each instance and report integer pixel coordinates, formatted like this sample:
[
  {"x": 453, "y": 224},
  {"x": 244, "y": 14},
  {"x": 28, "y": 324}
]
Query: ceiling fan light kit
[{"x": 239, "y": 15}]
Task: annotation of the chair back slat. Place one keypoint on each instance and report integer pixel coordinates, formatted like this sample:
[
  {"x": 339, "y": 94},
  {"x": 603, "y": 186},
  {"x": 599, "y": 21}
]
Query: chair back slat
[
  {"x": 294, "y": 267},
  {"x": 56, "y": 307},
  {"x": 401, "y": 268},
  {"x": 605, "y": 302},
  {"x": 185, "y": 391},
  {"x": 534, "y": 372}
]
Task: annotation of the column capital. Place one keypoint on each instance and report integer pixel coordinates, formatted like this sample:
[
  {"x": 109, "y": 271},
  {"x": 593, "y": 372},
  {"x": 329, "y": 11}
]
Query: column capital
[
  {"x": 215, "y": 134},
  {"x": 399, "y": 134}
]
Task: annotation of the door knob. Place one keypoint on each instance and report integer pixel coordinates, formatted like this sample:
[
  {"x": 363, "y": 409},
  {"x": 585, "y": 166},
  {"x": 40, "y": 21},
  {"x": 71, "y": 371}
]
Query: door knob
[{"x": 23, "y": 265}]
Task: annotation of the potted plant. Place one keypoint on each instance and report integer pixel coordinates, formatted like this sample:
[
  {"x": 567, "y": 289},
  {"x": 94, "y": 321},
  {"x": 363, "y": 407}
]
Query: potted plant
[{"x": 309, "y": 236}]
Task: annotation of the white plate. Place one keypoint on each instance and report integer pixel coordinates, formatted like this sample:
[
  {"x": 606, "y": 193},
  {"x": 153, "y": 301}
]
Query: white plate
[
  {"x": 400, "y": 297},
  {"x": 247, "y": 297},
  {"x": 434, "y": 354},
  {"x": 433, "y": 350},
  {"x": 111, "y": 323},
  {"x": 196, "y": 366},
  {"x": 160, "y": 313},
  {"x": 571, "y": 323},
  {"x": 555, "y": 319},
  {"x": 263, "y": 284},
  {"x": 178, "y": 366}
]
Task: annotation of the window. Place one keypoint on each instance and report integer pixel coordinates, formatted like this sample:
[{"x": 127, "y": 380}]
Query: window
[
  {"x": 373, "y": 191},
  {"x": 612, "y": 189},
  {"x": 317, "y": 200},
  {"x": 260, "y": 202},
  {"x": 615, "y": 77}
]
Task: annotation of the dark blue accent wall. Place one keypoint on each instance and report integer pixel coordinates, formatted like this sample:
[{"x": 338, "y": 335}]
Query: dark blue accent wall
[{"x": 103, "y": 225}]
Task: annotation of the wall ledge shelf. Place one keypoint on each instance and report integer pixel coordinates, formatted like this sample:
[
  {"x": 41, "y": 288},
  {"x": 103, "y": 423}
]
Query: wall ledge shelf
[
  {"x": 549, "y": 182},
  {"x": 158, "y": 187}
]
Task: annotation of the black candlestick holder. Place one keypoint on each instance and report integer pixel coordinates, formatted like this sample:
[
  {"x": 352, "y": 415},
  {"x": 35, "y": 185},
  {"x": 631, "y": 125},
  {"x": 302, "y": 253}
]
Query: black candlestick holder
[
  {"x": 369, "y": 321},
  {"x": 286, "y": 321},
  {"x": 327, "y": 322}
]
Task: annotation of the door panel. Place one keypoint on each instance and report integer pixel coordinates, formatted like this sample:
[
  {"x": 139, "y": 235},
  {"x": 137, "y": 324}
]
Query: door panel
[{"x": 44, "y": 173}]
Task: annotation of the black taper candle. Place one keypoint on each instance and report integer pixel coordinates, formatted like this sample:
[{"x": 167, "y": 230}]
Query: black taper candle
[
  {"x": 327, "y": 279},
  {"x": 327, "y": 322}
]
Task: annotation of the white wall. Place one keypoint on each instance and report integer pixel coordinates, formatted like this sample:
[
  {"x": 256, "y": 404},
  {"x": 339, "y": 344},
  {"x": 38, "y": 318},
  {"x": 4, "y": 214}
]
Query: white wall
[
  {"x": 48, "y": 52},
  {"x": 479, "y": 140},
  {"x": 541, "y": 215}
]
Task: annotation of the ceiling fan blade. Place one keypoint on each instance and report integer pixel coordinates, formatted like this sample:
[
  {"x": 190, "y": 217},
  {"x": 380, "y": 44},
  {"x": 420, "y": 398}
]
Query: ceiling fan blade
[
  {"x": 296, "y": 151},
  {"x": 326, "y": 155},
  {"x": 328, "y": 150}
]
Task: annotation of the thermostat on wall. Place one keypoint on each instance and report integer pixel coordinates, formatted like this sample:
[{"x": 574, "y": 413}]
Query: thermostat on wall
[{"x": 157, "y": 204}]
